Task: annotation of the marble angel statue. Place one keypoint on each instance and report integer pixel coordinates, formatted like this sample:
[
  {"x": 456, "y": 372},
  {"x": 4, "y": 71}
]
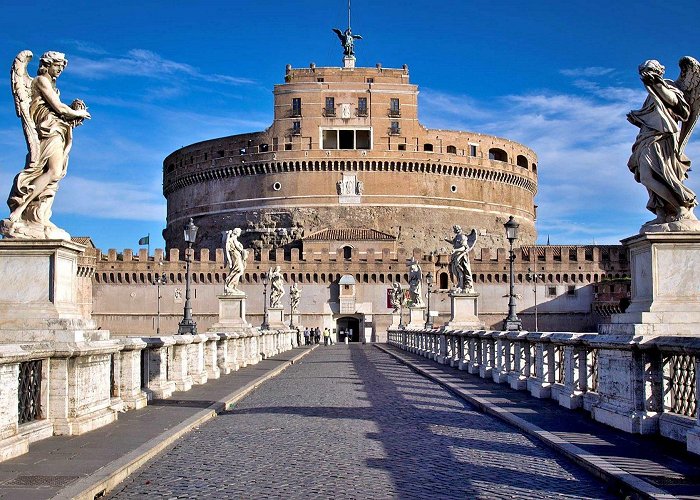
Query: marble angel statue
[
  {"x": 397, "y": 296},
  {"x": 276, "y": 286},
  {"x": 236, "y": 257},
  {"x": 294, "y": 297},
  {"x": 48, "y": 130},
  {"x": 460, "y": 267},
  {"x": 658, "y": 160},
  {"x": 415, "y": 283}
]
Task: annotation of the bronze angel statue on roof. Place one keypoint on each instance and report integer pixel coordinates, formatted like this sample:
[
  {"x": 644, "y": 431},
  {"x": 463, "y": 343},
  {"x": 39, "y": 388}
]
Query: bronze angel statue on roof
[
  {"x": 48, "y": 129},
  {"x": 347, "y": 40},
  {"x": 658, "y": 161}
]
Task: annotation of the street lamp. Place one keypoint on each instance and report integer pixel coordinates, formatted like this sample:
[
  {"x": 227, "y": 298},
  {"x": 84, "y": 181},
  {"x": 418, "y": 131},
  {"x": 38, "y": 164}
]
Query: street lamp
[
  {"x": 187, "y": 325},
  {"x": 265, "y": 280},
  {"x": 534, "y": 277},
  {"x": 160, "y": 279},
  {"x": 429, "y": 281},
  {"x": 402, "y": 299},
  {"x": 512, "y": 322}
]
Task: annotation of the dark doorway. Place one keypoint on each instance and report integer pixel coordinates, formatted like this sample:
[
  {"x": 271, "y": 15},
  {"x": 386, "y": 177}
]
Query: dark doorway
[{"x": 348, "y": 328}]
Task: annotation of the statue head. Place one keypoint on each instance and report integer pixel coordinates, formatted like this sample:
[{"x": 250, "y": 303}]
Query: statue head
[
  {"x": 457, "y": 229},
  {"x": 236, "y": 231},
  {"x": 651, "y": 66},
  {"x": 50, "y": 59}
]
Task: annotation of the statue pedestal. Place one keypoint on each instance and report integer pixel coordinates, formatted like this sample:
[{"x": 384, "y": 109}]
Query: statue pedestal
[
  {"x": 665, "y": 301},
  {"x": 39, "y": 293},
  {"x": 665, "y": 298},
  {"x": 395, "y": 320},
  {"x": 349, "y": 62},
  {"x": 464, "y": 311},
  {"x": 231, "y": 313},
  {"x": 275, "y": 318},
  {"x": 417, "y": 317}
]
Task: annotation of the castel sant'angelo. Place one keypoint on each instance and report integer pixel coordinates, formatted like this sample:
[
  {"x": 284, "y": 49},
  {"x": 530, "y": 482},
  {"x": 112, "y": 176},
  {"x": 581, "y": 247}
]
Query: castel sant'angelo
[{"x": 343, "y": 189}]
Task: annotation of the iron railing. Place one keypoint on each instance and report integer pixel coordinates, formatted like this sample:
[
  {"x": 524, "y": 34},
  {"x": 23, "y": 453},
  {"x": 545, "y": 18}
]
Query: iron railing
[{"x": 29, "y": 391}]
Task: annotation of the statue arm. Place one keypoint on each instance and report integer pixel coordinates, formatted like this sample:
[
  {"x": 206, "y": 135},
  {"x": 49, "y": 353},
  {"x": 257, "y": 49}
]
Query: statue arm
[{"x": 54, "y": 102}]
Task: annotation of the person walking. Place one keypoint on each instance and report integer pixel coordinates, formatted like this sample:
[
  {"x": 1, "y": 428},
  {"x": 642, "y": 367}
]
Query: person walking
[
  {"x": 306, "y": 336},
  {"x": 317, "y": 335},
  {"x": 326, "y": 336}
]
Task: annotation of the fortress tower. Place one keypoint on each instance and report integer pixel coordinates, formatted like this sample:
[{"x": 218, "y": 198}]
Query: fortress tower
[{"x": 346, "y": 150}]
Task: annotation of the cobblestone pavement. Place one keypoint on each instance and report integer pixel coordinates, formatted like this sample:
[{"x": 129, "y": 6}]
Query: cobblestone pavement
[{"x": 351, "y": 422}]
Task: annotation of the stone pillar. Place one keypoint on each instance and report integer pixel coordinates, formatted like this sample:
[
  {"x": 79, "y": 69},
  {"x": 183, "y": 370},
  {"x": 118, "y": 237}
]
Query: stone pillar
[
  {"x": 693, "y": 436},
  {"x": 518, "y": 377},
  {"x": 464, "y": 311},
  {"x": 540, "y": 386},
  {"x": 79, "y": 387},
  {"x": 11, "y": 444},
  {"x": 501, "y": 366},
  {"x": 195, "y": 362},
  {"x": 158, "y": 386},
  {"x": 211, "y": 365},
  {"x": 232, "y": 309},
  {"x": 275, "y": 317},
  {"x": 416, "y": 317},
  {"x": 180, "y": 367},
  {"x": 488, "y": 355},
  {"x": 130, "y": 374}
]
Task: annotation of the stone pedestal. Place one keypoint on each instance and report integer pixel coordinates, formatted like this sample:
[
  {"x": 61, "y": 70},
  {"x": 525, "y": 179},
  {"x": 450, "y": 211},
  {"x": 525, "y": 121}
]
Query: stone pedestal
[
  {"x": 395, "y": 321},
  {"x": 665, "y": 301},
  {"x": 464, "y": 312},
  {"x": 232, "y": 309},
  {"x": 665, "y": 286},
  {"x": 39, "y": 293},
  {"x": 417, "y": 317},
  {"x": 275, "y": 318}
]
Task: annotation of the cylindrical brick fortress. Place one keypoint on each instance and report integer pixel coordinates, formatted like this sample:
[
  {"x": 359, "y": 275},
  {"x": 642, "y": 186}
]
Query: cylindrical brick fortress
[{"x": 346, "y": 150}]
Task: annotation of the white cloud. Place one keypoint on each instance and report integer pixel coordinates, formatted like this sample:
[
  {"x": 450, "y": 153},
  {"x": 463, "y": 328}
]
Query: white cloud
[
  {"x": 583, "y": 142},
  {"x": 144, "y": 63},
  {"x": 590, "y": 71},
  {"x": 109, "y": 200}
]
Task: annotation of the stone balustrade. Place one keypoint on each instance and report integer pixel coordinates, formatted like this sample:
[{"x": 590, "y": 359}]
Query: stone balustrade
[
  {"x": 140, "y": 369},
  {"x": 640, "y": 385}
]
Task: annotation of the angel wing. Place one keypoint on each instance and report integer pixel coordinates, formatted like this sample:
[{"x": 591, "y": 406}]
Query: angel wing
[
  {"x": 357, "y": 37},
  {"x": 22, "y": 92},
  {"x": 340, "y": 34},
  {"x": 689, "y": 83},
  {"x": 471, "y": 239}
]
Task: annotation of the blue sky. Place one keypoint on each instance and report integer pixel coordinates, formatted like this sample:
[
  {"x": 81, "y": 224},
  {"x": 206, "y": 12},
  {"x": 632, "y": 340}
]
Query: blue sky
[{"x": 557, "y": 76}]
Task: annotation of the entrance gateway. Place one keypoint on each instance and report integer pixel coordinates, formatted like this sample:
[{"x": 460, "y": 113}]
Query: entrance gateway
[{"x": 348, "y": 327}]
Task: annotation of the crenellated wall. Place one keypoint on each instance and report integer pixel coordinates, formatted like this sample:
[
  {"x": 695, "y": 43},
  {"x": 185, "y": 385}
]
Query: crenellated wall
[{"x": 125, "y": 300}]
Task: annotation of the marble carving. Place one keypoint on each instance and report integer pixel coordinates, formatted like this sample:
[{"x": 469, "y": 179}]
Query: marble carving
[
  {"x": 48, "y": 130},
  {"x": 460, "y": 267},
  {"x": 658, "y": 160},
  {"x": 415, "y": 283},
  {"x": 276, "y": 287},
  {"x": 236, "y": 257}
]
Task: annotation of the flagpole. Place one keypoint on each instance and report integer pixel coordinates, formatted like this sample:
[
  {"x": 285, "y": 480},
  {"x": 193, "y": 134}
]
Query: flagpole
[{"x": 148, "y": 253}]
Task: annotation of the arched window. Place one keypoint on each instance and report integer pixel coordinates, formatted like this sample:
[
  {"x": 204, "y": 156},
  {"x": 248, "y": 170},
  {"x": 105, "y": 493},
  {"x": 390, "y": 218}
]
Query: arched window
[
  {"x": 497, "y": 154},
  {"x": 347, "y": 252},
  {"x": 444, "y": 281},
  {"x": 451, "y": 150},
  {"x": 521, "y": 161},
  {"x": 427, "y": 147}
]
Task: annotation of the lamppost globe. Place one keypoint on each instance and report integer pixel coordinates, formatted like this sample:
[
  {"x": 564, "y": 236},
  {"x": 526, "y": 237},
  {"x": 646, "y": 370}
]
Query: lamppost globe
[
  {"x": 429, "y": 281},
  {"x": 511, "y": 229},
  {"x": 187, "y": 325}
]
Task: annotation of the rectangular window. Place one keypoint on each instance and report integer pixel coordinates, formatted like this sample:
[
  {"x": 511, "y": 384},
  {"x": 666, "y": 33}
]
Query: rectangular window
[
  {"x": 571, "y": 291},
  {"x": 330, "y": 139},
  {"x": 346, "y": 139},
  {"x": 362, "y": 106},
  {"x": 288, "y": 146},
  {"x": 362, "y": 140},
  {"x": 395, "y": 129},
  {"x": 296, "y": 128},
  {"x": 402, "y": 147},
  {"x": 330, "y": 107},
  {"x": 320, "y": 80},
  {"x": 370, "y": 80},
  {"x": 296, "y": 106},
  {"x": 472, "y": 150},
  {"x": 394, "y": 109},
  {"x": 551, "y": 291}
]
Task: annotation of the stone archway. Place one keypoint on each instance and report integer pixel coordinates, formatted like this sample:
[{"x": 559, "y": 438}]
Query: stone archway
[{"x": 344, "y": 325}]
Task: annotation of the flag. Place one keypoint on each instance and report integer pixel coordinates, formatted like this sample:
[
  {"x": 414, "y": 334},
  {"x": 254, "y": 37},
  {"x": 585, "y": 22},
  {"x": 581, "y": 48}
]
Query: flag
[{"x": 145, "y": 240}]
